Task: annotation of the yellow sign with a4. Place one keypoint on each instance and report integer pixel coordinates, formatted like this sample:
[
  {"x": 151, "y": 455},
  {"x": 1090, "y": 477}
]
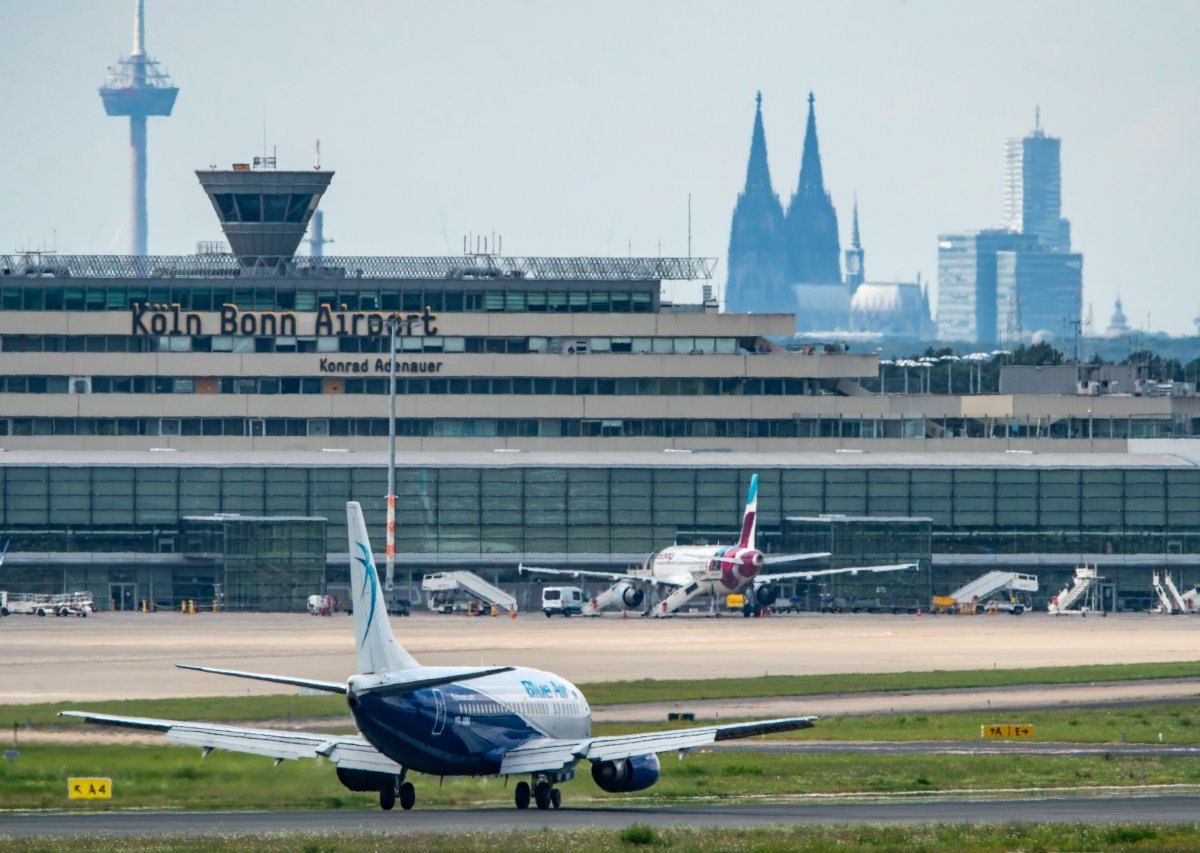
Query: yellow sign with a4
[{"x": 89, "y": 788}]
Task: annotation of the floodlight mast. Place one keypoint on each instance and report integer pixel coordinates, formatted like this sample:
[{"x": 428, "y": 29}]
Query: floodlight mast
[{"x": 390, "y": 561}]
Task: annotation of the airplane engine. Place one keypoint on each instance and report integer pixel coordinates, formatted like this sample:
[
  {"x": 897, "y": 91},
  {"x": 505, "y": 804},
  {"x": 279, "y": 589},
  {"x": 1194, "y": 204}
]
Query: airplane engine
[
  {"x": 626, "y": 774},
  {"x": 631, "y": 596},
  {"x": 766, "y": 594},
  {"x": 365, "y": 780}
]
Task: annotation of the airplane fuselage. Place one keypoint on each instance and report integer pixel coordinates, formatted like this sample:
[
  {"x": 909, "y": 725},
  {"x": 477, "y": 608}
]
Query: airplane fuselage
[
  {"x": 464, "y": 728},
  {"x": 719, "y": 569}
]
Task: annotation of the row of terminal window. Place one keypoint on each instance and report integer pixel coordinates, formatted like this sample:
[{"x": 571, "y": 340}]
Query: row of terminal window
[
  {"x": 200, "y": 297},
  {"x": 414, "y": 344},
  {"x": 430, "y": 428},
  {"x": 538, "y": 385}
]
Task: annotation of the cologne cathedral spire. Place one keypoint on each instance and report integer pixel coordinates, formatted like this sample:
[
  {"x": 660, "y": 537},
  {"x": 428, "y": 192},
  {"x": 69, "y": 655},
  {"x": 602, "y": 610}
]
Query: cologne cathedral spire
[
  {"x": 811, "y": 232},
  {"x": 755, "y": 279}
]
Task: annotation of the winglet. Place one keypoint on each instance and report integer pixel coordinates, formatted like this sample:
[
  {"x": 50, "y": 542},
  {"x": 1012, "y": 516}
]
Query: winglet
[{"x": 750, "y": 516}]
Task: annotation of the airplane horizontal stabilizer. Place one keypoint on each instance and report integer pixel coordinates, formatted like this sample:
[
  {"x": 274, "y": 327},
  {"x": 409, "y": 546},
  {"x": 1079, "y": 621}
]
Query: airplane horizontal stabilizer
[
  {"x": 406, "y": 681},
  {"x": 311, "y": 684},
  {"x": 771, "y": 559}
]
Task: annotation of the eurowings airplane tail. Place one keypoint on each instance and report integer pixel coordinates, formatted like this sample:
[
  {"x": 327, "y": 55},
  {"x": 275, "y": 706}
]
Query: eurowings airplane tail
[
  {"x": 749, "y": 519},
  {"x": 375, "y": 644}
]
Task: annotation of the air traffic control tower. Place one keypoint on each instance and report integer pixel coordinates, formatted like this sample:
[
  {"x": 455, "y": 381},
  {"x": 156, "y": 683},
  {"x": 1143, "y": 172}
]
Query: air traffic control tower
[
  {"x": 137, "y": 88},
  {"x": 264, "y": 213}
]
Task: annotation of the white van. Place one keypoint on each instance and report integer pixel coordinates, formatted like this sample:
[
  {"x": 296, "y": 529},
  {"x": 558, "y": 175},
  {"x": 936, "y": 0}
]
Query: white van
[{"x": 566, "y": 600}]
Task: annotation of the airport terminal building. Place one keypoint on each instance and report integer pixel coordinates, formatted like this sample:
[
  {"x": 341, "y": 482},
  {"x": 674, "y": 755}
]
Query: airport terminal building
[{"x": 170, "y": 424}]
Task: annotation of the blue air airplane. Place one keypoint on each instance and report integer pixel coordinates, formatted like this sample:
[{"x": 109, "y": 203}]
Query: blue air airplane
[{"x": 448, "y": 721}]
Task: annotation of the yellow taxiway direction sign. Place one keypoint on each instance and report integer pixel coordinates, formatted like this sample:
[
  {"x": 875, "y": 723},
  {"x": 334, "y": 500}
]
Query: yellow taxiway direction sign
[
  {"x": 89, "y": 788},
  {"x": 1006, "y": 731}
]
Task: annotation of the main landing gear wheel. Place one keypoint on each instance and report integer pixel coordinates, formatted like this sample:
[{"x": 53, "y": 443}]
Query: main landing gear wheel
[
  {"x": 408, "y": 796},
  {"x": 522, "y": 796},
  {"x": 556, "y": 798},
  {"x": 387, "y": 799},
  {"x": 541, "y": 795}
]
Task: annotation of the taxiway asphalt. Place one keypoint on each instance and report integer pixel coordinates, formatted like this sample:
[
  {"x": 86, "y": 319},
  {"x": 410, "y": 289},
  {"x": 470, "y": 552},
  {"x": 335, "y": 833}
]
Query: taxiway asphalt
[{"x": 1169, "y": 809}]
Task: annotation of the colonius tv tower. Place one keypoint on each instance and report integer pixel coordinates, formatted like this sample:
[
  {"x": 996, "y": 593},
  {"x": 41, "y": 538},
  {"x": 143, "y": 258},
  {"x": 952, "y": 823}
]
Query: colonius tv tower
[{"x": 137, "y": 88}]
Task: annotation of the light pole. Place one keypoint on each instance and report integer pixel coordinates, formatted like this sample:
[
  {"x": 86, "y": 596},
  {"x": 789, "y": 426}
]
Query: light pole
[{"x": 393, "y": 322}]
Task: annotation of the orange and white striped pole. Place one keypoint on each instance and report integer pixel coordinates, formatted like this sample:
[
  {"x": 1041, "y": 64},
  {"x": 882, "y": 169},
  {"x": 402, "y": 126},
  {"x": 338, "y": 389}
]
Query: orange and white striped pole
[{"x": 393, "y": 321}]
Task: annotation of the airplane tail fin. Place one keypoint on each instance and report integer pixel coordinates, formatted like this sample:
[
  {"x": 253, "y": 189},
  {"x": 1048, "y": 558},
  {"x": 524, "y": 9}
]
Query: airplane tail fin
[
  {"x": 751, "y": 516},
  {"x": 375, "y": 644}
]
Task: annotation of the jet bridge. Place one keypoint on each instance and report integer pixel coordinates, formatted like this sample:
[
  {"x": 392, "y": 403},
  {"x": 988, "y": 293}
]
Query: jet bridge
[{"x": 447, "y": 592}]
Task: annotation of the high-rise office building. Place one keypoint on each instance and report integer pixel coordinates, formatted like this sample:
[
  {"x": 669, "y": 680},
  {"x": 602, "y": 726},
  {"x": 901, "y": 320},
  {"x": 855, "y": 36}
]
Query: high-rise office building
[
  {"x": 1038, "y": 294},
  {"x": 1033, "y": 188},
  {"x": 967, "y": 304},
  {"x": 1012, "y": 284}
]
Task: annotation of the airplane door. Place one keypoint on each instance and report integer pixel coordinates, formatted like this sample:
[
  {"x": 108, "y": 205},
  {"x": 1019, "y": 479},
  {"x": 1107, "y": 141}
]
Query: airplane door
[{"x": 439, "y": 721}]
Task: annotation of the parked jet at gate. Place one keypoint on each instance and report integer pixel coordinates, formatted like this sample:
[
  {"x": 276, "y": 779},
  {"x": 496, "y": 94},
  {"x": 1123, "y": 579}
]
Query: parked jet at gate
[
  {"x": 448, "y": 721},
  {"x": 687, "y": 572}
]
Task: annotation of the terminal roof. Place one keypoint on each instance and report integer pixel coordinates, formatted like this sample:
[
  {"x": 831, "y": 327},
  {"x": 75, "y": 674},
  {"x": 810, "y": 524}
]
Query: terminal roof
[{"x": 585, "y": 459}]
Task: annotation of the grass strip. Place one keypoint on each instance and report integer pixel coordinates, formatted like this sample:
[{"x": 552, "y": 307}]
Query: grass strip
[
  {"x": 652, "y": 690},
  {"x": 935, "y": 838},
  {"x": 1171, "y": 724},
  {"x": 291, "y": 706},
  {"x": 176, "y": 777}
]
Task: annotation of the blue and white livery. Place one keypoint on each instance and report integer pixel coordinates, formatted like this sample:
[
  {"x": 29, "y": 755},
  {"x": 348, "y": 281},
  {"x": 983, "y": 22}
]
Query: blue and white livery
[{"x": 448, "y": 721}]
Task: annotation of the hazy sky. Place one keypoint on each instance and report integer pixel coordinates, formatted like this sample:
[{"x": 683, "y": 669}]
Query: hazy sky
[{"x": 580, "y": 128}]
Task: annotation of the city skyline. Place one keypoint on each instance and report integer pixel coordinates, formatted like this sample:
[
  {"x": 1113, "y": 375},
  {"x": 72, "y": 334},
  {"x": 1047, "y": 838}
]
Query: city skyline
[{"x": 436, "y": 131}]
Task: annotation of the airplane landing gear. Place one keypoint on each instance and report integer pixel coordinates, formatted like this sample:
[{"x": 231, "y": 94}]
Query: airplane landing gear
[
  {"x": 387, "y": 799},
  {"x": 408, "y": 796},
  {"x": 543, "y": 791}
]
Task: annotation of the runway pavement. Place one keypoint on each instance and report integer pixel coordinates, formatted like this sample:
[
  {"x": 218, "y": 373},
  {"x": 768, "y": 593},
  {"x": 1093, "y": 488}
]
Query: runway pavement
[{"x": 1169, "y": 808}]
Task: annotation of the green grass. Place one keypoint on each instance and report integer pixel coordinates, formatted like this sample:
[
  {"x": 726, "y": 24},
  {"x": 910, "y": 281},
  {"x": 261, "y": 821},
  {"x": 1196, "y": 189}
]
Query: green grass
[
  {"x": 934, "y": 838},
  {"x": 178, "y": 778},
  {"x": 283, "y": 706},
  {"x": 649, "y": 690},
  {"x": 216, "y": 709},
  {"x": 1140, "y": 724}
]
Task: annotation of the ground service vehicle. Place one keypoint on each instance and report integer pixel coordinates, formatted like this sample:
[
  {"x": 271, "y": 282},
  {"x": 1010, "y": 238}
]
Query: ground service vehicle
[{"x": 564, "y": 600}]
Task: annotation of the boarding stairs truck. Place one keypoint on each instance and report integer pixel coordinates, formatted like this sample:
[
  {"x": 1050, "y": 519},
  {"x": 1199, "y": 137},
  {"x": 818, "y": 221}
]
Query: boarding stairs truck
[
  {"x": 447, "y": 592},
  {"x": 1169, "y": 598},
  {"x": 984, "y": 594},
  {"x": 1081, "y": 597}
]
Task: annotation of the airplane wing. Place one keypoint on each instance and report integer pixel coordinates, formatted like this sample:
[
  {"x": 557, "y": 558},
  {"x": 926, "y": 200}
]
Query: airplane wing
[
  {"x": 611, "y": 576},
  {"x": 854, "y": 570},
  {"x": 548, "y": 754},
  {"x": 348, "y": 751}
]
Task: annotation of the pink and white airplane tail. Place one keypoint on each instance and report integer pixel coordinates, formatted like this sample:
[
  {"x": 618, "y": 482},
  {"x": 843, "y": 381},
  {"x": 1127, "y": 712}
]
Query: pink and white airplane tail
[{"x": 750, "y": 517}]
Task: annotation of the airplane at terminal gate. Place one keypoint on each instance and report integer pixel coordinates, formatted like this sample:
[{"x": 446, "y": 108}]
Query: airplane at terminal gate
[
  {"x": 448, "y": 721},
  {"x": 687, "y": 572}
]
